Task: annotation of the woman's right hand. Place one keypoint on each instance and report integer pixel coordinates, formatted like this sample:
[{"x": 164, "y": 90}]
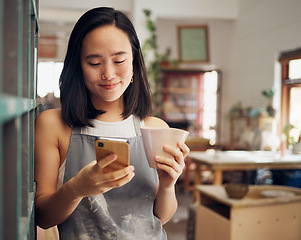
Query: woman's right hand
[{"x": 91, "y": 180}]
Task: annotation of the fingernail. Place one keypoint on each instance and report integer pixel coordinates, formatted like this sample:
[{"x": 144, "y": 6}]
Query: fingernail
[{"x": 112, "y": 156}]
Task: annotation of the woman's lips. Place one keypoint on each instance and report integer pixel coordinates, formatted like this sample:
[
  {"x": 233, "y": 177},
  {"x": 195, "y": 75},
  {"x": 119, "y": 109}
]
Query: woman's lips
[{"x": 109, "y": 86}]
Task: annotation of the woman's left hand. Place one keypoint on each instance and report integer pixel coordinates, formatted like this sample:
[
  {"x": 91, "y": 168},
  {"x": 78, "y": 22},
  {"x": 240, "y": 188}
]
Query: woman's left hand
[{"x": 169, "y": 169}]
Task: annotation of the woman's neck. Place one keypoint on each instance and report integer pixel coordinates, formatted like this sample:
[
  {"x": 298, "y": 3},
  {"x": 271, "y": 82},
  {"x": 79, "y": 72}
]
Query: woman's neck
[{"x": 113, "y": 111}]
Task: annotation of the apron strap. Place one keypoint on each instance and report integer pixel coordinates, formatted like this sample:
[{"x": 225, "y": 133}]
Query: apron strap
[
  {"x": 76, "y": 130},
  {"x": 137, "y": 125}
]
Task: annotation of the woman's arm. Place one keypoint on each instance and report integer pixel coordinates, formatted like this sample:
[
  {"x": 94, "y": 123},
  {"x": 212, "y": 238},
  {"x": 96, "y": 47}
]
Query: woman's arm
[
  {"x": 52, "y": 207},
  {"x": 166, "y": 204},
  {"x": 169, "y": 170},
  {"x": 51, "y": 145}
]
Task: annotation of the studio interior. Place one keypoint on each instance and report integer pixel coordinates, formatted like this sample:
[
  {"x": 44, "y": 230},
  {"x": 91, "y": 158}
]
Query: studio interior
[{"x": 228, "y": 72}]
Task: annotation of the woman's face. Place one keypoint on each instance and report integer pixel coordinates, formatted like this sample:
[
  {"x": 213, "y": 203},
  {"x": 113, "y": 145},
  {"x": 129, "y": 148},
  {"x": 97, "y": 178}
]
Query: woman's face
[{"x": 106, "y": 60}]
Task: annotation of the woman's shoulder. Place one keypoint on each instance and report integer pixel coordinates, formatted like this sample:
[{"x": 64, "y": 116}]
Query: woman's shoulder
[
  {"x": 155, "y": 122},
  {"x": 51, "y": 119},
  {"x": 50, "y": 116}
]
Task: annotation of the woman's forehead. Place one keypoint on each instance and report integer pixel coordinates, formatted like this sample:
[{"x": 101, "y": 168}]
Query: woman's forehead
[{"x": 107, "y": 38}]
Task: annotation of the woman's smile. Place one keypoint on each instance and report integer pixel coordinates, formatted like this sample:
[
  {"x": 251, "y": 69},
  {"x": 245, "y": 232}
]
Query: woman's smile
[{"x": 109, "y": 86}]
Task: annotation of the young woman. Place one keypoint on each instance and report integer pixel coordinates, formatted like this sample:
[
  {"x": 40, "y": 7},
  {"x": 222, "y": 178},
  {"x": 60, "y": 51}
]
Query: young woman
[{"x": 104, "y": 92}]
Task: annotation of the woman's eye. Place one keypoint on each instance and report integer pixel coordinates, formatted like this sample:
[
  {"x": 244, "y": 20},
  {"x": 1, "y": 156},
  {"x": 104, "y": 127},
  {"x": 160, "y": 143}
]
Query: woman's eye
[
  {"x": 94, "y": 64},
  {"x": 119, "y": 62}
]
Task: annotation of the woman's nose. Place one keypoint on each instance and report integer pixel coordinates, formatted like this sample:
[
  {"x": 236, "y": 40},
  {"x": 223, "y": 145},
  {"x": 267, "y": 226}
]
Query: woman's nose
[{"x": 108, "y": 73}]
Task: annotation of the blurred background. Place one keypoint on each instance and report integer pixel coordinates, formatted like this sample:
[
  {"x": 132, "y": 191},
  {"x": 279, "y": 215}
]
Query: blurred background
[{"x": 244, "y": 44}]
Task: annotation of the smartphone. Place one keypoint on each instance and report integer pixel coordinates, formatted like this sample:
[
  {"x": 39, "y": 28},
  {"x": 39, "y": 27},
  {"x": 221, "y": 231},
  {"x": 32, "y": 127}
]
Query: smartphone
[{"x": 105, "y": 146}]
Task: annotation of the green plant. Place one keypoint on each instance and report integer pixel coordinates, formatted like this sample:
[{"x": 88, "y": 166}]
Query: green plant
[
  {"x": 151, "y": 54},
  {"x": 150, "y": 51},
  {"x": 237, "y": 110},
  {"x": 291, "y": 139},
  {"x": 269, "y": 93},
  {"x": 153, "y": 59}
]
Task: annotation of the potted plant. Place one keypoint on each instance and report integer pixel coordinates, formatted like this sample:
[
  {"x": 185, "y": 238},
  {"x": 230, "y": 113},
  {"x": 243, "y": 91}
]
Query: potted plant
[
  {"x": 293, "y": 136},
  {"x": 269, "y": 93},
  {"x": 150, "y": 52},
  {"x": 154, "y": 61}
]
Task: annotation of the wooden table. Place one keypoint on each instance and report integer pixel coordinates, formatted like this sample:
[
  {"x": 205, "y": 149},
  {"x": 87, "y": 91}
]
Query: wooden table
[
  {"x": 266, "y": 212},
  {"x": 219, "y": 161}
]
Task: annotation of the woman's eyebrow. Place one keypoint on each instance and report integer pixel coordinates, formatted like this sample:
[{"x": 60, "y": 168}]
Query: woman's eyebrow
[
  {"x": 119, "y": 53},
  {"x": 99, "y": 56},
  {"x": 93, "y": 56}
]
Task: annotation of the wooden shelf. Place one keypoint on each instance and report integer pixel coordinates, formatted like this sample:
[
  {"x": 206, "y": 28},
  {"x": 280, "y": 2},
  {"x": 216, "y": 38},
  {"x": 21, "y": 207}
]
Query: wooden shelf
[
  {"x": 182, "y": 95},
  {"x": 179, "y": 90}
]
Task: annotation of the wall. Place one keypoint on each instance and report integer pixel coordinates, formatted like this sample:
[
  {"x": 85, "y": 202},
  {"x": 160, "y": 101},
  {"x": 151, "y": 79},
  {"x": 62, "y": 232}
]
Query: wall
[
  {"x": 175, "y": 9},
  {"x": 245, "y": 49},
  {"x": 263, "y": 30},
  {"x": 125, "y": 5}
]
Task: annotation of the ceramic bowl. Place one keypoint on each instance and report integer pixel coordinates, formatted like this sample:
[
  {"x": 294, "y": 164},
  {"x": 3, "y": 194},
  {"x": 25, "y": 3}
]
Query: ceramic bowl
[
  {"x": 236, "y": 190},
  {"x": 155, "y": 138}
]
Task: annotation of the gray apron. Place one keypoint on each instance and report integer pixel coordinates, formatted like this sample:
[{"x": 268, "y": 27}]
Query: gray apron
[{"x": 121, "y": 213}]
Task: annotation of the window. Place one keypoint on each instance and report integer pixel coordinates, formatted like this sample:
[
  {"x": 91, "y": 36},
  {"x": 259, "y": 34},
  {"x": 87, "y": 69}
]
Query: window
[
  {"x": 210, "y": 106},
  {"x": 291, "y": 91},
  {"x": 48, "y": 78},
  {"x": 48, "y": 85}
]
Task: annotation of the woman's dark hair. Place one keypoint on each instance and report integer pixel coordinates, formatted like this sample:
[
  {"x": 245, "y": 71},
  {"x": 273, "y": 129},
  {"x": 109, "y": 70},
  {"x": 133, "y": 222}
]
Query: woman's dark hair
[{"x": 77, "y": 108}]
